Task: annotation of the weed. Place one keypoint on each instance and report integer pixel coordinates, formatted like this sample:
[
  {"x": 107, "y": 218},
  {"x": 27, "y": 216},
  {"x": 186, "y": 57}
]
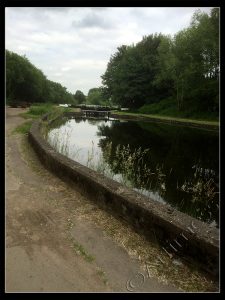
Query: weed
[
  {"x": 79, "y": 249},
  {"x": 102, "y": 275}
]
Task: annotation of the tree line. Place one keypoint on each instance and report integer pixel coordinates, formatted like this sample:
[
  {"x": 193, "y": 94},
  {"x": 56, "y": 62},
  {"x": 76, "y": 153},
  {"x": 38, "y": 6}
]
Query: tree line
[
  {"x": 179, "y": 73},
  {"x": 183, "y": 70},
  {"x": 26, "y": 83}
]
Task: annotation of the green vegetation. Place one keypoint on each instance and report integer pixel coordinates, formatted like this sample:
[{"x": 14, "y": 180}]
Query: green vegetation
[
  {"x": 102, "y": 274},
  {"x": 36, "y": 110},
  {"x": 168, "y": 108},
  {"x": 79, "y": 97},
  {"x": 23, "y": 128},
  {"x": 26, "y": 83},
  {"x": 79, "y": 249},
  {"x": 176, "y": 76},
  {"x": 173, "y": 76},
  {"x": 96, "y": 96},
  {"x": 203, "y": 122}
]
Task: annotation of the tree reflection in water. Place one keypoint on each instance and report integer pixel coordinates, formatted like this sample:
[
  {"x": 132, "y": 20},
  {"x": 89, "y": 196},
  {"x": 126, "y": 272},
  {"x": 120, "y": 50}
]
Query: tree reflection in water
[{"x": 171, "y": 164}]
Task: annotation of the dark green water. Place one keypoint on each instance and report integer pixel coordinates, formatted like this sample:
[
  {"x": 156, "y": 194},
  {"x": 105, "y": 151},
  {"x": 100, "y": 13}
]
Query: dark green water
[{"x": 171, "y": 164}]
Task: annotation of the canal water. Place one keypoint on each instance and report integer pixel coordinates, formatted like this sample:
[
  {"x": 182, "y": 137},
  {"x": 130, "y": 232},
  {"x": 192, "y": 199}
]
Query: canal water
[{"x": 171, "y": 164}]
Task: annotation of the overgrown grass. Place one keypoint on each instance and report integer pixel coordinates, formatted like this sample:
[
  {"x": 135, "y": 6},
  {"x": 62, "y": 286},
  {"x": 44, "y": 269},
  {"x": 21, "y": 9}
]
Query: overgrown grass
[
  {"x": 186, "y": 120},
  {"x": 23, "y": 128},
  {"x": 168, "y": 108},
  {"x": 37, "y": 110}
]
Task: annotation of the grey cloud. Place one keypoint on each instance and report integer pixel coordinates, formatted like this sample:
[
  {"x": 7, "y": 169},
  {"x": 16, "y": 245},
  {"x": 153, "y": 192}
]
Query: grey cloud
[
  {"x": 92, "y": 20},
  {"x": 81, "y": 40}
]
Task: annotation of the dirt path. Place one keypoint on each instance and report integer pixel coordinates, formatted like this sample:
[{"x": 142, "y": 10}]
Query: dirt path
[{"x": 59, "y": 241}]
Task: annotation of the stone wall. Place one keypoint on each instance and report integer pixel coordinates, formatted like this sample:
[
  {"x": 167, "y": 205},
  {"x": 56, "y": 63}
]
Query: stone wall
[{"x": 179, "y": 234}]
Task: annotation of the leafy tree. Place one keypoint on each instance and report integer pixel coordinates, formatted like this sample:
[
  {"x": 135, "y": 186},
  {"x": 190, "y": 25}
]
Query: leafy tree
[
  {"x": 131, "y": 72},
  {"x": 26, "y": 83},
  {"x": 79, "y": 97},
  {"x": 197, "y": 63},
  {"x": 184, "y": 67},
  {"x": 96, "y": 96}
]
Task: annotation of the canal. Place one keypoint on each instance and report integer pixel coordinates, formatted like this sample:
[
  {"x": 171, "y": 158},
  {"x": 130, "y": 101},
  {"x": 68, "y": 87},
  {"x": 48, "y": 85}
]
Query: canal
[{"x": 171, "y": 164}]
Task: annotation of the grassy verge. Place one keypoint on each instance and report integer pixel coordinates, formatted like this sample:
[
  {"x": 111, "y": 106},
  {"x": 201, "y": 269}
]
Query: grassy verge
[
  {"x": 35, "y": 111},
  {"x": 184, "y": 120},
  {"x": 168, "y": 108},
  {"x": 23, "y": 128}
]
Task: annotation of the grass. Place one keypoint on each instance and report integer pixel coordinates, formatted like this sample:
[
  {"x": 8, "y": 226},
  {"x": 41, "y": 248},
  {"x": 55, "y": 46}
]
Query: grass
[
  {"x": 37, "y": 110},
  {"x": 79, "y": 249},
  {"x": 102, "y": 275},
  {"x": 168, "y": 108},
  {"x": 203, "y": 122},
  {"x": 23, "y": 128},
  {"x": 34, "y": 112}
]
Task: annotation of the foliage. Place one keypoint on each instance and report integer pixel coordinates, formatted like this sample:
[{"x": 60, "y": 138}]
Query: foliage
[
  {"x": 38, "y": 110},
  {"x": 79, "y": 97},
  {"x": 79, "y": 249},
  {"x": 168, "y": 107},
  {"x": 184, "y": 68},
  {"x": 26, "y": 83},
  {"x": 96, "y": 96}
]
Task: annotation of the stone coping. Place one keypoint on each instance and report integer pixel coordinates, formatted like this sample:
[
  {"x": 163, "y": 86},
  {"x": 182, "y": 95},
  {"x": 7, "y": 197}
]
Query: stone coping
[{"x": 178, "y": 233}]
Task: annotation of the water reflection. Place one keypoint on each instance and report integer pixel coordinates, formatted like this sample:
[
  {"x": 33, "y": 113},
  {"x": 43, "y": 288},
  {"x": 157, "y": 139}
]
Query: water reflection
[{"x": 168, "y": 163}]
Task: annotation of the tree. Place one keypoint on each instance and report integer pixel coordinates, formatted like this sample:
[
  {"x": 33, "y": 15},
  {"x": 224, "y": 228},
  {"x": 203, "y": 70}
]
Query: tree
[
  {"x": 79, "y": 97},
  {"x": 164, "y": 79},
  {"x": 130, "y": 74},
  {"x": 96, "y": 96},
  {"x": 184, "y": 67},
  {"x": 197, "y": 63},
  {"x": 23, "y": 80},
  {"x": 26, "y": 83}
]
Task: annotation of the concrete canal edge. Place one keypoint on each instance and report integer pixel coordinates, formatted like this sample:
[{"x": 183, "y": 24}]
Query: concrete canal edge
[{"x": 178, "y": 233}]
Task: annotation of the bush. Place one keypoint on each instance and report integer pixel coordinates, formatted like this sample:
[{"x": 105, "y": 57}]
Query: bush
[
  {"x": 162, "y": 107},
  {"x": 168, "y": 107}
]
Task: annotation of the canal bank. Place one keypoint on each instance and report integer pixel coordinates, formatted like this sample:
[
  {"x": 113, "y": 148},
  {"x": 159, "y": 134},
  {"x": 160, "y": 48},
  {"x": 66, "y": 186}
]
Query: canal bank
[
  {"x": 57, "y": 240},
  {"x": 146, "y": 216},
  {"x": 167, "y": 120}
]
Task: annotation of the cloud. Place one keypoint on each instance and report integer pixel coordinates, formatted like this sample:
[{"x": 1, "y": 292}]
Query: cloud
[
  {"x": 92, "y": 20},
  {"x": 72, "y": 45}
]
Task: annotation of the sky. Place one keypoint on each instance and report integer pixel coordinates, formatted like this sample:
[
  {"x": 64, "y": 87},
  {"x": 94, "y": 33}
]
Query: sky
[{"x": 72, "y": 45}]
